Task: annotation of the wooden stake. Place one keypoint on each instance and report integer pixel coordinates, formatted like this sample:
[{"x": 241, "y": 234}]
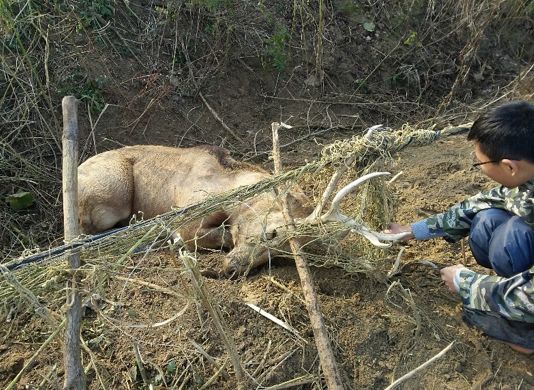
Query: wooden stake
[
  {"x": 324, "y": 348},
  {"x": 74, "y": 373}
]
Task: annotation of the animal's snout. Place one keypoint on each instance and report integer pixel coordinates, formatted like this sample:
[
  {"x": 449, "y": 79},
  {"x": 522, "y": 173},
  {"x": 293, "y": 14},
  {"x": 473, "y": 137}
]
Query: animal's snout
[
  {"x": 233, "y": 266},
  {"x": 242, "y": 259}
]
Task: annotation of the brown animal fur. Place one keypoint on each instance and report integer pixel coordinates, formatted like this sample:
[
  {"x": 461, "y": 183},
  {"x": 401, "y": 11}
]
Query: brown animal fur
[{"x": 116, "y": 184}]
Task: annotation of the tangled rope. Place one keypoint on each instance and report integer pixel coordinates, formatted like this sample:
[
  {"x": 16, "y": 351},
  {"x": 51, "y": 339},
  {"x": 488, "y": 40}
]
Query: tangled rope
[{"x": 111, "y": 248}]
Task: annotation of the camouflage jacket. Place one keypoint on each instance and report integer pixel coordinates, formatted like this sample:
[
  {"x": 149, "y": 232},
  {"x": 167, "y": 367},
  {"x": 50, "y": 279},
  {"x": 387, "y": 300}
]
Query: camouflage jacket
[
  {"x": 512, "y": 298},
  {"x": 455, "y": 223}
]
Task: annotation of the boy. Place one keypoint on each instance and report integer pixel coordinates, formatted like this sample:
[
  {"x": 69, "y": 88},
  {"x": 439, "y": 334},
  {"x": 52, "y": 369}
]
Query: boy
[{"x": 500, "y": 225}]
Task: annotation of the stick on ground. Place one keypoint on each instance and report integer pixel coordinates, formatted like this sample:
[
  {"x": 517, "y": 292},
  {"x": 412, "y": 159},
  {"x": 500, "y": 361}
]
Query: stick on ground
[
  {"x": 425, "y": 364},
  {"x": 324, "y": 348}
]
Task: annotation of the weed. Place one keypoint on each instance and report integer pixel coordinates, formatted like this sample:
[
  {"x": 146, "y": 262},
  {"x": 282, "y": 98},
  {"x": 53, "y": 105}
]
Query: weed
[
  {"x": 276, "y": 47},
  {"x": 369, "y": 26},
  {"x": 95, "y": 13},
  {"x": 413, "y": 40},
  {"x": 14, "y": 31},
  {"x": 20, "y": 200},
  {"x": 89, "y": 91},
  {"x": 6, "y": 18}
]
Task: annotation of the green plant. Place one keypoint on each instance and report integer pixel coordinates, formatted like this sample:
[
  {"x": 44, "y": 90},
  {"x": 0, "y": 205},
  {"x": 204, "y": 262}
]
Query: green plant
[
  {"x": 6, "y": 18},
  {"x": 276, "y": 47},
  {"x": 369, "y": 26},
  {"x": 20, "y": 200},
  {"x": 15, "y": 31},
  {"x": 413, "y": 40},
  {"x": 89, "y": 91},
  {"x": 95, "y": 13}
]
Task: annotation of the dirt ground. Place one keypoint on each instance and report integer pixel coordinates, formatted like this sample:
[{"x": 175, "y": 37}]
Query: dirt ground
[{"x": 380, "y": 329}]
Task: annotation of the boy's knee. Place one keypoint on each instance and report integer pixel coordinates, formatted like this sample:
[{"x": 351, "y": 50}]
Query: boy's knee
[
  {"x": 483, "y": 226},
  {"x": 512, "y": 247},
  {"x": 488, "y": 220},
  {"x": 502, "y": 241}
]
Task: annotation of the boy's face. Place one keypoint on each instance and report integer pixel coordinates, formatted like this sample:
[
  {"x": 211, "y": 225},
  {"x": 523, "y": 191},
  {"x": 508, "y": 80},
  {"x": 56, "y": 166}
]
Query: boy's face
[{"x": 509, "y": 173}]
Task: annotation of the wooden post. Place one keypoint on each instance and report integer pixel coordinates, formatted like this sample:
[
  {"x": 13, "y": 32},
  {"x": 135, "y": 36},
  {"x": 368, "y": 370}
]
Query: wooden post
[
  {"x": 327, "y": 359},
  {"x": 74, "y": 374}
]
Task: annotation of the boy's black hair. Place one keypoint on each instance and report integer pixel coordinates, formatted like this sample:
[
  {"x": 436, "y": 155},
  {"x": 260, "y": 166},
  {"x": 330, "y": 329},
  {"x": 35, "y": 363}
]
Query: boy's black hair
[{"x": 506, "y": 131}]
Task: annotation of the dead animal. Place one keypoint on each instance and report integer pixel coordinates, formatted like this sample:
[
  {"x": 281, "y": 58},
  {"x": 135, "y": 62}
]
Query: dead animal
[{"x": 114, "y": 185}]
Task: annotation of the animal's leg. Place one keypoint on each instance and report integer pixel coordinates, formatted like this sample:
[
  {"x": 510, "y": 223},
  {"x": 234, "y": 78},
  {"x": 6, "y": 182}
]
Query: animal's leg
[
  {"x": 104, "y": 217},
  {"x": 212, "y": 232},
  {"x": 218, "y": 237}
]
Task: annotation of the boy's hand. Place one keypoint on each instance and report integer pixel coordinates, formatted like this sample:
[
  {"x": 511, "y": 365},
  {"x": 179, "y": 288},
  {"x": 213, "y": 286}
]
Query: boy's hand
[
  {"x": 448, "y": 274},
  {"x": 395, "y": 228}
]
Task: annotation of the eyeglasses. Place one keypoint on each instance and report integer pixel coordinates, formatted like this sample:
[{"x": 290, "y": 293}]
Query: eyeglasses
[
  {"x": 477, "y": 163},
  {"x": 485, "y": 162}
]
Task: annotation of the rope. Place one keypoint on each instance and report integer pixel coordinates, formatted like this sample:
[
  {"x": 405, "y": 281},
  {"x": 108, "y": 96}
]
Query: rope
[{"x": 365, "y": 149}]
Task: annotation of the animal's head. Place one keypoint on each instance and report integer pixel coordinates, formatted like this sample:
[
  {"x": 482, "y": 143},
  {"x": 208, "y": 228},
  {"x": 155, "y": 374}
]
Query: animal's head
[
  {"x": 259, "y": 228},
  {"x": 263, "y": 217}
]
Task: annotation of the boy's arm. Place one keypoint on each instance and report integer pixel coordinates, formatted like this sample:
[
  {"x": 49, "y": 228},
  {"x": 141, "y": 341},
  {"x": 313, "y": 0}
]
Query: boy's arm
[
  {"x": 512, "y": 298},
  {"x": 454, "y": 224}
]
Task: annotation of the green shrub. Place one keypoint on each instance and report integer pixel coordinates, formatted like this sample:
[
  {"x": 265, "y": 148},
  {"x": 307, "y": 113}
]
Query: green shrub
[{"x": 276, "y": 48}]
